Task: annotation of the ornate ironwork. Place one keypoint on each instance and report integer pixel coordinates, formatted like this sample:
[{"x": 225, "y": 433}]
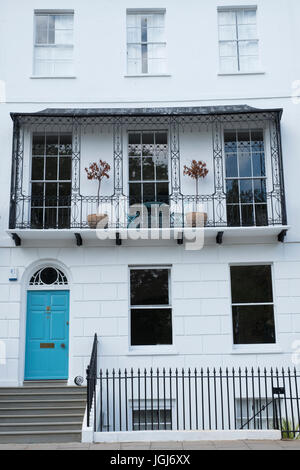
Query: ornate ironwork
[
  {"x": 48, "y": 276},
  {"x": 117, "y": 205}
]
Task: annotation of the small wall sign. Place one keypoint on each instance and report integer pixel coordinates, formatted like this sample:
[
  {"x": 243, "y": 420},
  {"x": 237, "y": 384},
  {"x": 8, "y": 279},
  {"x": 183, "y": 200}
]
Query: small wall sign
[{"x": 13, "y": 274}]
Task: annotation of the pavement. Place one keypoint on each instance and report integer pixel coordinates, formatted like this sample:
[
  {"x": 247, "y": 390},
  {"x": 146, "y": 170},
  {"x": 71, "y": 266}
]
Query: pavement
[{"x": 183, "y": 446}]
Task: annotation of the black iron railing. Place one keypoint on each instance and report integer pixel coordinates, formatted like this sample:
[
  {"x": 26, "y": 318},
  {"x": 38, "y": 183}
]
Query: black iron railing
[
  {"x": 91, "y": 378},
  {"x": 123, "y": 212},
  {"x": 199, "y": 400}
]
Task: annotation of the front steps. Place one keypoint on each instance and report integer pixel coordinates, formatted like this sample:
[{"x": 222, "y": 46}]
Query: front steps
[{"x": 41, "y": 412}]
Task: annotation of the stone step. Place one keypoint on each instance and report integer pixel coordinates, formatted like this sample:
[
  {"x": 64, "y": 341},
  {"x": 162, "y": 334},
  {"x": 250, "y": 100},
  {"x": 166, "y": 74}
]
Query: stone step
[
  {"x": 38, "y": 427},
  {"x": 41, "y": 418},
  {"x": 38, "y": 403},
  {"x": 36, "y": 411},
  {"x": 31, "y": 437},
  {"x": 41, "y": 395},
  {"x": 42, "y": 389}
]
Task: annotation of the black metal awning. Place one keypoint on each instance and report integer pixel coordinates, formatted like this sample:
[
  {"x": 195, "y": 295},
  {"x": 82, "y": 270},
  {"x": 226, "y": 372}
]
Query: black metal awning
[{"x": 144, "y": 112}]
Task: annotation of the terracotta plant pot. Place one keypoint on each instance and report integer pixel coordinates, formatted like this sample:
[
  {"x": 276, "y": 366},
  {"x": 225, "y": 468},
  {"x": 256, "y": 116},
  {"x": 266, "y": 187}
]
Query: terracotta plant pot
[
  {"x": 196, "y": 219},
  {"x": 94, "y": 219}
]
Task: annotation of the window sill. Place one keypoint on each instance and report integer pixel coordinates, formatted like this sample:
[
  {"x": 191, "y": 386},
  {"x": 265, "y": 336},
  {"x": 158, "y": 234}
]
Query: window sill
[
  {"x": 153, "y": 351},
  {"x": 257, "y": 349},
  {"x": 37, "y": 77},
  {"x": 241, "y": 73},
  {"x": 148, "y": 75}
]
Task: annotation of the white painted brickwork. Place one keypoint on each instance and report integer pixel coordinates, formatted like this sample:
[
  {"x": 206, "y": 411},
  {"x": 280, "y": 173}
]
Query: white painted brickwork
[{"x": 99, "y": 275}]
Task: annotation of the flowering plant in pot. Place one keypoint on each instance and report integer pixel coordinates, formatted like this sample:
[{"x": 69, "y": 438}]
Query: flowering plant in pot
[
  {"x": 196, "y": 171},
  {"x": 97, "y": 171}
]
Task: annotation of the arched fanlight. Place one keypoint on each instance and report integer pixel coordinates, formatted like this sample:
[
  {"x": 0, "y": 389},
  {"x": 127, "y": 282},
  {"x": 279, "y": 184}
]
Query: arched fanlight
[{"x": 48, "y": 276}]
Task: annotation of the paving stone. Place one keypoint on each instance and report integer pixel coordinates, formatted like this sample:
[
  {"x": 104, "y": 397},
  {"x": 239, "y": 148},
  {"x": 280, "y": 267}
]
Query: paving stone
[
  {"x": 113, "y": 446},
  {"x": 166, "y": 445}
]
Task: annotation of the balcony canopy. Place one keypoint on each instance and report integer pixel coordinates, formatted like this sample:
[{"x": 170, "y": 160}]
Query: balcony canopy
[{"x": 144, "y": 112}]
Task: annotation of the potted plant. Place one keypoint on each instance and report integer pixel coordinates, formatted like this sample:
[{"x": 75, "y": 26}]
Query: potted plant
[
  {"x": 196, "y": 171},
  {"x": 97, "y": 171}
]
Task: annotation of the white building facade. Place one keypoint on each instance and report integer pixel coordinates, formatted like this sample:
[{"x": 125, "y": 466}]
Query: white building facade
[{"x": 148, "y": 88}]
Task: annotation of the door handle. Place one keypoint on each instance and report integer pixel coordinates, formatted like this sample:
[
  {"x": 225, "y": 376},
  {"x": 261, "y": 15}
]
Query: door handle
[{"x": 63, "y": 346}]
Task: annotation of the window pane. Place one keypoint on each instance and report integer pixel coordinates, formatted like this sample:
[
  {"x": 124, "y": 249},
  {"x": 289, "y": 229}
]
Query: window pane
[
  {"x": 149, "y": 192},
  {"x": 233, "y": 216},
  {"x": 134, "y": 52},
  {"x": 149, "y": 286},
  {"x": 41, "y": 22},
  {"x": 254, "y": 325},
  {"x": 37, "y": 172},
  {"x": 64, "y": 194},
  {"x": 261, "y": 214},
  {"x": 65, "y": 168},
  {"x": 157, "y": 66},
  {"x": 51, "y": 144},
  {"x": 231, "y": 165},
  {"x": 38, "y": 144},
  {"x": 246, "y": 16},
  {"x": 247, "y": 215},
  {"x": 50, "y": 218},
  {"x": 37, "y": 194},
  {"x": 134, "y": 67},
  {"x": 245, "y": 163},
  {"x": 228, "y": 64},
  {"x": 251, "y": 284},
  {"x": 246, "y": 191},
  {"x": 51, "y": 168},
  {"x": 148, "y": 138},
  {"x": 227, "y": 17},
  {"x": 228, "y": 49},
  {"x": 232, "y": 191},
  {"x": 247, "y": 32},
  {"x": 135, "y": 193},
  {"x": 156, "y": 51},
  {"x": 249, "y": 63},
  {"x": 156, "y": 34},
  {"x": 162, "y": 192},
  {"x": 148, "y": 168},
  {"x": 36, "y": 218},
  {"x": 260, "y": 191},
  {"x": 134, "y": 169},
  {"x": 162, "y": 168},
  {"x": 134, "y": 139},
  {"x": 65, "y": 144},
  {"x": 248, "y": 48},
  {"x": 258, "y": 161},
  {"x": 151, "y": 327},
  {"x": 51, "y": 194},
  {"x": 227, "y": 33}
]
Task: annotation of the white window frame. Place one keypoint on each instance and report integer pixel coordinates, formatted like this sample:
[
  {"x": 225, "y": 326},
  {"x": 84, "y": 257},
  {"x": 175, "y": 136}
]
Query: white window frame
[
  {"x": 56, "y": 46},
  {"x": 238, "y": 71},
  {"x": 252, "y": 178},
  {"x": 45, "y": 181},
  {"x": 255, "y": 347},
  {"x": 151, "y": 348},
  {"x": 146, "y": 13}
]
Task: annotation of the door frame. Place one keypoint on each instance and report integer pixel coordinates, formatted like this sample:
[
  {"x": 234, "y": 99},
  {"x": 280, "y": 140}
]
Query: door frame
[{"x": 25, "y": 287}]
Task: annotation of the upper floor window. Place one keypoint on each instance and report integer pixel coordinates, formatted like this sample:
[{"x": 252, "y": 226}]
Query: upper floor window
[
  {"x": 53, "y": 44},
  {"x": 246, "y": 182},
  {"x": 238, "y": 40},
  {"x": 146, "y": 45}
]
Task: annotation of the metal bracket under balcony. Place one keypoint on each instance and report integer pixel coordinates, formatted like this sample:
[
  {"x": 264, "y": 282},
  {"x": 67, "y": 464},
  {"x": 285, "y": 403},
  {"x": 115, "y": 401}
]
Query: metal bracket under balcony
[{"x": 129, "y": 237}]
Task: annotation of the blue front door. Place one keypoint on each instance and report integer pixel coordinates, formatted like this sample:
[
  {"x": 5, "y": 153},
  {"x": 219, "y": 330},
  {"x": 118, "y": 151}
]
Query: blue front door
[{"x": 47, "y": 335}]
